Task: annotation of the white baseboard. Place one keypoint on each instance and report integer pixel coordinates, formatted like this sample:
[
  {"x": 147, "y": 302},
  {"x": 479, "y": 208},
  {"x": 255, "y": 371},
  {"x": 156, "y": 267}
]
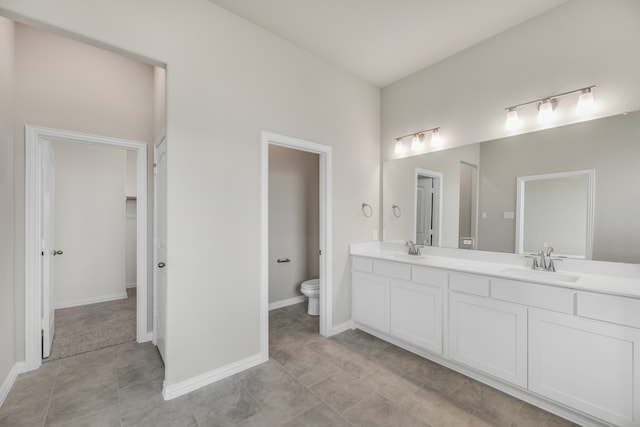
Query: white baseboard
[
  {"x": 286, "y": 302},
  {"x": 92, "y": 300},
  {"x": 16, "y": 370},
  {"x": 131, "y": 285},
  {"x": 171, "y": 391},
  {"x": 338, "y": 329}
]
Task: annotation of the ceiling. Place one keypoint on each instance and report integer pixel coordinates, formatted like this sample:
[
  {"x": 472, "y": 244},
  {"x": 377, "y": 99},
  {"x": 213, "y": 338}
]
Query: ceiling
[{"x": 382, "y": 41}]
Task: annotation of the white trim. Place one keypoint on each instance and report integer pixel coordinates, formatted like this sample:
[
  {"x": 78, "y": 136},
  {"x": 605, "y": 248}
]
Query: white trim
[
  {"x": 286, "y": 302},
  {"x": 131, "y": 285},
  {"x": 326, "y": 232},
  {"x": 91, "y": 300},
  {"x": 34, "y": 136},
  {"x": 171, "y": 391},
  {"x": 591, "y": 187},
  {"x": 16, "y": 370},
  {"x": 342, "y": 327}
]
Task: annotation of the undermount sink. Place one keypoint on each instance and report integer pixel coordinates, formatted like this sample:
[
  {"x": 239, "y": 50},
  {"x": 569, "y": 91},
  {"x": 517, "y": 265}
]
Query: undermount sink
[{"x": 553, "y": 276}]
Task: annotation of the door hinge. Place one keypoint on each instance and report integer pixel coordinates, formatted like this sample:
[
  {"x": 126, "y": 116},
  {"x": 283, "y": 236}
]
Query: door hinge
[
  {"x": 319, "y": 251},
  {"x": 155, "y": 169}
]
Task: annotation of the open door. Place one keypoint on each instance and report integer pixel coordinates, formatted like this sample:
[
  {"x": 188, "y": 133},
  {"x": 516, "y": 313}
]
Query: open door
[
  {"x": 160, "y": 244},
  {"x": 48, "y": 247}
]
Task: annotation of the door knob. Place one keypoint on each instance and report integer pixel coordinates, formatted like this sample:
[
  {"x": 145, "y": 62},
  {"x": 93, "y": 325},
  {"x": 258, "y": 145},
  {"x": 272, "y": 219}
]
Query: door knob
[
  {"x": 161, "y": 265},
  {"x": 56, "y": 252}
]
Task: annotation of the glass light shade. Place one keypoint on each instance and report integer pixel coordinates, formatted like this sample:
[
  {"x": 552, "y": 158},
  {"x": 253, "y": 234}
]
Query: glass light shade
[
  {"x": 586, "y": 105},
  {"x": 545, "y": 112},
  {"x": 400, "y": 148},
  {"x": 513, "y": 120},
  {"x": 436, "y": 138},
  {"x": 417, "y": 142}
]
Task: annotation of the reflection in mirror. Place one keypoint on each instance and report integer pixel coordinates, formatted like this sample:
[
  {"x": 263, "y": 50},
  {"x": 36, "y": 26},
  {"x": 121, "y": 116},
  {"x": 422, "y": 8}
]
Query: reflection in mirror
[
  {"x": 468, "y": 206},
  {"x": 428, "y": 202},
  {"x": 556, "y": 210},
  {"x": 608, "y": 145}
]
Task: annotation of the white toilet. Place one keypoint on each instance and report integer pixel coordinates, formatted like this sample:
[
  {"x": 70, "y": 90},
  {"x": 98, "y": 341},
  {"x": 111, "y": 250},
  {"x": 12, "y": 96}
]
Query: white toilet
[{"x": 311, "y": 289}]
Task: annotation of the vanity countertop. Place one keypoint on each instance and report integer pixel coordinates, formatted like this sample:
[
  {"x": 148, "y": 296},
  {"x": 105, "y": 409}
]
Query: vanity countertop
[{"x": 511, "y": 267}]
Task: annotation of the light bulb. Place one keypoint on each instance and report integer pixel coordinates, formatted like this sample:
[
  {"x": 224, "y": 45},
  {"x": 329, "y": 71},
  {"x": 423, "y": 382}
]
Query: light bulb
[
  {"x": 586, "y": 105},
  {"x": 417, "y": 142},
  {"x": 436, "y": 138},
  {"x": 400, "y": 148},
  {"x": 513, "y": 120},
  {"x": 545, "y": 111}
]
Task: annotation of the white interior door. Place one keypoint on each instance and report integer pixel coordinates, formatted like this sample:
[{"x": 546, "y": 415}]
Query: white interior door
[
  {"x": 160, "y": 232},
  {"x": 48, "y": 247},
  {"x": 424, "y": 214}
]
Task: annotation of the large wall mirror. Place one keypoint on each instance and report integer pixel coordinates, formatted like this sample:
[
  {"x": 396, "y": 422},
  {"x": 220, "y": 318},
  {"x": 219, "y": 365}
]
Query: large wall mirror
[{"x": 610, "y": 147}]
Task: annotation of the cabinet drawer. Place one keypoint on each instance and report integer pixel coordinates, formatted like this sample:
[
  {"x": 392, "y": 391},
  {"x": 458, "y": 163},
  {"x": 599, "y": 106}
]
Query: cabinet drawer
[
  {"x": 392, "y": 269},
  {"x": 362, "y": 264},
  {"x": 623, "y": 311},
  {"x": 476, "y": 285},
  {"x": 533, "y": 295},
  {"x": 429, "y": 276}
]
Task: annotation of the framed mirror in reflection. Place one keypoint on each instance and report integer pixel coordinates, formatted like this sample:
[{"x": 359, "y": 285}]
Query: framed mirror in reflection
[
  {"x": 608, "y": 146},
  {"x": 556, "y": 208}
]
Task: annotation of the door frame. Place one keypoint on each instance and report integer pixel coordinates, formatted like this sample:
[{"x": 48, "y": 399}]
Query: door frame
[
  {"x": 159, "y": 140},
  {"x": 34, "y": 136},
  {"x": 439, "y": 176},
  {"x": 325, "y": 238}
]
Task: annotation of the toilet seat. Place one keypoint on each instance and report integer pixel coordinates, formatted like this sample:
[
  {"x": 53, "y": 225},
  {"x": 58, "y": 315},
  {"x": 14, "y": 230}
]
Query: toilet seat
[{"x": 311, "y": 285}]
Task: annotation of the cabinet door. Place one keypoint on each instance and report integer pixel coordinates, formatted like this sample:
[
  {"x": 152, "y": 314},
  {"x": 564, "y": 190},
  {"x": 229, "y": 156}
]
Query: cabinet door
[
  {"x": 370, "y": 300},
  {"x": 415, "y": 314},
  {"x": 489, "y": 335},
  {"x": 589, "y": 365}
]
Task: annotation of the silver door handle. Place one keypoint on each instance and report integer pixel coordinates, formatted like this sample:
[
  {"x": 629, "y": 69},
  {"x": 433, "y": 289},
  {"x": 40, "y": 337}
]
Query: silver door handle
[
  {"x": 161, "y": 265},
  {"x": 56, "y": 252}
]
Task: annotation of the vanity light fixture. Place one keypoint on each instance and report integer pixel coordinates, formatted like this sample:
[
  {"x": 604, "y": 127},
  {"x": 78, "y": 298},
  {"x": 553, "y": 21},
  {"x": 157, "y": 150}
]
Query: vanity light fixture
[
  {"x": 586, "y": 105},
  {"x": 547, "y": 106},
  {"x": 546, "y": 110},
  {"x": 513, "y": 120},
  {"x": 436, "y": 138},
  {"x": 400, "y": 148},
  {"x": 418, "y": 141}
]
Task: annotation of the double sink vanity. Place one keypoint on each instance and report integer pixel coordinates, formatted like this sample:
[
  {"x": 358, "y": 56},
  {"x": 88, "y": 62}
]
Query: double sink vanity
[{"x": 567, "y": 341}]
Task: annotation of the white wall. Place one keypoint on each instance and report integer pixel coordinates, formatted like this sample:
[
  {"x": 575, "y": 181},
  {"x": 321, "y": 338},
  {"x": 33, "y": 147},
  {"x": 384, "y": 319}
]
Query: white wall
[
  {"x": 293, "y": 220},
  {"x": 7, "y": 313},
  {"x": 89, "y": 223},
  {"x": 228, "y": 80},
  {"x": 65, "y": 84},
  {"x": 577, "y": 44}
]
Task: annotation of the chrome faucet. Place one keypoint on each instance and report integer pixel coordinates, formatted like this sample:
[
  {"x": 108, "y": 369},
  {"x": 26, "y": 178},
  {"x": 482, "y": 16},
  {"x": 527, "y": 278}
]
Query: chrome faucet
[
  {"x": 413, "y": 248},
  {"x": 544, "y": 261}
]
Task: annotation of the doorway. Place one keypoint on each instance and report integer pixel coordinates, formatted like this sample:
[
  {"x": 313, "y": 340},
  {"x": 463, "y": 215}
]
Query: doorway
[
  {"x": 37, "y": 308},
  {"x": 324, "y": 226},
  {"x": 428, "y": 203}
]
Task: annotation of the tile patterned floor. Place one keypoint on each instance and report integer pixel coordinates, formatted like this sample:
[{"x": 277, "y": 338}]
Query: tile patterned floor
[{"x": 352, "y": 379}]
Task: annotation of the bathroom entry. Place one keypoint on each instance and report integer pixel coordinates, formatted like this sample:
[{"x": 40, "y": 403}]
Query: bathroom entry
[
  {"x": 293, "y": 200},
  {"x": 428, "y": 193}
]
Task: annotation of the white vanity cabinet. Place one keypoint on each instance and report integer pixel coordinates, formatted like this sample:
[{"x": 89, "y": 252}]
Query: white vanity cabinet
[
  {"x": 388, "y": 300},
  {"x": 415, "y": 309},
  {"x": 370, "y": 295},
  {"x": 489, "y": 335},
  {"x": 571, "y": 351},
  {"x": 590, "y": 365}
]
